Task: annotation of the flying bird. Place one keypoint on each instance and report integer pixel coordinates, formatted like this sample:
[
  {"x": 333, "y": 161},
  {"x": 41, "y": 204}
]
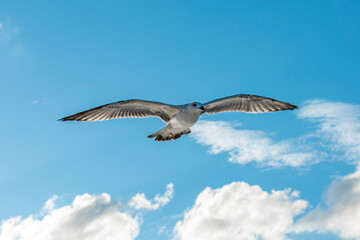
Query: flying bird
[{"x": 179, "y": 118}]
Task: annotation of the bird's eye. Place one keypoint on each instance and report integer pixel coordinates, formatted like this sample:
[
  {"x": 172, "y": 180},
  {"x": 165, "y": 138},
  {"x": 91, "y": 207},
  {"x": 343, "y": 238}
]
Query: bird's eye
[{"x": 194, "y": 104}]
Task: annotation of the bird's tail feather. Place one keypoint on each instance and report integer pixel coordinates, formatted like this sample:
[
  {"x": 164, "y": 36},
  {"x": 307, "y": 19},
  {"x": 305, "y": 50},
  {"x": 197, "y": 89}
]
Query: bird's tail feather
[{"x": 166, "y": 134}]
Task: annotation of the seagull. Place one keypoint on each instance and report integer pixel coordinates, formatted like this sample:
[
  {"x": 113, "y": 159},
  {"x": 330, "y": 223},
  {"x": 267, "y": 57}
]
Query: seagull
[{"x": 179, "y": 118}]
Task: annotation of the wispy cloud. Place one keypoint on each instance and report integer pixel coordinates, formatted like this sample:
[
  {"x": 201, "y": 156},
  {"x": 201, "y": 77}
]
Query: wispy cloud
[
  {"x": 161, "y": 229},
  {"x": 10, "y": 44},
  {"x": 238, "y": 211},
  {"x": 337, "y": 126},
  {"x": 49, "y": 204},
  {"x": 139, "y": 201},
  {"x": 341, "y": 213},
  {"x": 246, "y": 146},
  {"x": 336, "y": 131},
  {"x": 7, "y": 29},
  {"x": 42, "y": 101}
]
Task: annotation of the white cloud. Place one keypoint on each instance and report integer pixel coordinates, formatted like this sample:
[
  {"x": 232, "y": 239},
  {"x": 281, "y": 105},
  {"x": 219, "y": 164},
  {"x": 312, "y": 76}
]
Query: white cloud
[
  {"x": 245, "y": 146},
  {"x": 335, "y": 134},
  {"x": 342, "y": 212},
  {"x": 1, "y": 25},
  {"x": 49, "y": 204},
  {"x": 338, "y": 125},
  {"x": 139, "y": 201},
  {"x": 339, "y": 128},
  {"x": 89, "y": 217},
  {"x": 336, "y": 131},
  {"x": 239, "y": 211}
]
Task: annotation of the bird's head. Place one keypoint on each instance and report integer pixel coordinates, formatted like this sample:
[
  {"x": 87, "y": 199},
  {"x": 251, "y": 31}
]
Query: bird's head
[{"x": 195, "y": 105}]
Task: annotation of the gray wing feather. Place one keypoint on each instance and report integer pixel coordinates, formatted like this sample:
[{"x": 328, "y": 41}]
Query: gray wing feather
[
  {"x": 246, "y": 103},
  {"x": 133, "y": 108}
]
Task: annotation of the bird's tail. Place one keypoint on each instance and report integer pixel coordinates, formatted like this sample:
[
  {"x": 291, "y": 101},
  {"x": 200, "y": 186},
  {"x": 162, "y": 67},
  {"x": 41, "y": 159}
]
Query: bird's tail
[{"x": 166, "y": 134}]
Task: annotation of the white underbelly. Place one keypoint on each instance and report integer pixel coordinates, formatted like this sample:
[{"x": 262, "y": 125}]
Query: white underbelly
[{"x": 184, "y": 120}]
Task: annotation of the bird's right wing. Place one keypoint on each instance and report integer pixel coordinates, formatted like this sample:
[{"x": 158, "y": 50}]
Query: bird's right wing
[
  {"x": 133, "y": 108},
  {"x": 246, "y": 103}
]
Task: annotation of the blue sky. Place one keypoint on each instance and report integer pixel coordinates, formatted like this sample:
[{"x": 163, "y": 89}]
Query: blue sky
[{"x": 59, "y": 58}]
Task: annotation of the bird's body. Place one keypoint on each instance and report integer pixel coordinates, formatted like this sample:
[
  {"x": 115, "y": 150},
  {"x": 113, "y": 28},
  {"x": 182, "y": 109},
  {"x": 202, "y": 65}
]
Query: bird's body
[
  {"x": 179, "y": 118},
  {"x": 180, "y": 124},
  {"x": 186, "y": 117}
]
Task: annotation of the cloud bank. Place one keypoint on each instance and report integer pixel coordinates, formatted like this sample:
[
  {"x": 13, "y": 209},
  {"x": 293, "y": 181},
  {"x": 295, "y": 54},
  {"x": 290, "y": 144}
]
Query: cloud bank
[
  {"x": 89, "y": 217},
  {"x": 238, "y": 211},
  {"x": 243, "y": 212},
  {"x": 234, "y": 211},
  {"x": 247, "y": 212}
]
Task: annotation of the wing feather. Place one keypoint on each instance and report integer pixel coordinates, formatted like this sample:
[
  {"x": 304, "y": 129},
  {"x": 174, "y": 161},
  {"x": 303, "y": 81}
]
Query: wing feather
[
  {"x": 133, "y": 108},
  {"x": 246, "y": 103}
]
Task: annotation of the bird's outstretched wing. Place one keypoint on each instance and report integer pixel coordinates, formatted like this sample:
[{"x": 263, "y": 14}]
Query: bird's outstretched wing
[
  {"x": 246, "y": 103},
  {"x": 133, "y": 108}
]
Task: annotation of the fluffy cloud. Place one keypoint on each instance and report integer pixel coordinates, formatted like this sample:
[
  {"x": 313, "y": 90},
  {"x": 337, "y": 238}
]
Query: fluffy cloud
[
  {"x": 245, "y": 146},
  {"x": 240, "y": 211},
  {"x": 89, "y": 217},
  {"x": 139, "y": 201},
  {"x": 342, "y": 212}
]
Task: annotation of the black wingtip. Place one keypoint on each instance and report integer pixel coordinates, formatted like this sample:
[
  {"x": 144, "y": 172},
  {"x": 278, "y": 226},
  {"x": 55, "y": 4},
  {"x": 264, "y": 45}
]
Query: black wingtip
[
  {"x": 290, "y": 107},
  {"x": 66, "y": 119}
]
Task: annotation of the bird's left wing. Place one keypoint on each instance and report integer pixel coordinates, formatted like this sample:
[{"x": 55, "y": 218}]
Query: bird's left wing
[
  {"x": 133, "y": 108},
  {"x": 246, "y": 103}
]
